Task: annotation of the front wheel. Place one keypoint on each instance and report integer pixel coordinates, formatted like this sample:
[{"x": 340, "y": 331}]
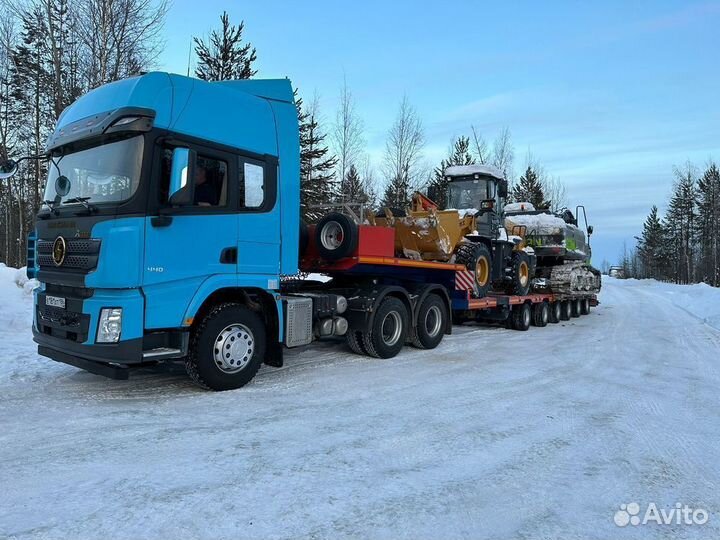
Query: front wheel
[
  {"x": 227, "y": 348},
  {"x": 520, "y": 274}
]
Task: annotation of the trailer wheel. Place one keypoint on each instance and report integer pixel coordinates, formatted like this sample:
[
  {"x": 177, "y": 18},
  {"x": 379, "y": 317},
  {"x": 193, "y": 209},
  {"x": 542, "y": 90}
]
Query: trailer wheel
[
  {"x": 227, "y": 348},
  {"x": 554, "y": 315},
  {"x": 431, "y": 322},
  {"x": 565, "y": 310},
  {"x": 389, "y": 329},
  {"x": 355, "y": 342},
  {"x": 521, "y": 317},
  {"x": 520, "y": 274},
  {"x": 336, "y": 236},
  {"x": 575, "y": 308},
  {"x": 476, "y": 258},
  {"x": 585, "y": 306},
  {"x": 540, "y": 314}
]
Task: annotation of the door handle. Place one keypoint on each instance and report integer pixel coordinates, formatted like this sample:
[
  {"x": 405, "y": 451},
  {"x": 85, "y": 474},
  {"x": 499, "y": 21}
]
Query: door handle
[
  {"x": 160, "y": 221},
  {"x": 228, "y": 255}
]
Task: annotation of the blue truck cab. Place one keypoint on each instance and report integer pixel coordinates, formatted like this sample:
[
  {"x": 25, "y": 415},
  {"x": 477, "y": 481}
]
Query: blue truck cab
[{"x": 171, "y": 203}]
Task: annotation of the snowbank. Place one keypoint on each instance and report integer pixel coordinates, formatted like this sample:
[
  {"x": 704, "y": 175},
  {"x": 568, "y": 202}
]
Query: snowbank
[{"x": 699, "y": 300}]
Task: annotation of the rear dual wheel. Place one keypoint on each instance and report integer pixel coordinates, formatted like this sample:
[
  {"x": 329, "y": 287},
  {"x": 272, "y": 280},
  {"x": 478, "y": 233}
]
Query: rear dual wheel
[
  {"x": 554, "y": 313},
  {"x": 387, "y": 333},
  {"x": 585, "y": 306},
  {"x": 540, "y": 314},
  {"x": 432, "y": 319},
  {"x": 521, "y": 317}
]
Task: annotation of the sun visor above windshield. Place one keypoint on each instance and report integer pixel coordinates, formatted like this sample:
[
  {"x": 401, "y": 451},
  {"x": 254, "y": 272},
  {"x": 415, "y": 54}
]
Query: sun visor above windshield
[{"x": 124, "y": 120}]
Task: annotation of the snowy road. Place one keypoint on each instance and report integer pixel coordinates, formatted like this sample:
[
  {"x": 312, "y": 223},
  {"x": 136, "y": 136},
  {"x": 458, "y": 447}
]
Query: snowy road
[{"x": 496, "y": 434}]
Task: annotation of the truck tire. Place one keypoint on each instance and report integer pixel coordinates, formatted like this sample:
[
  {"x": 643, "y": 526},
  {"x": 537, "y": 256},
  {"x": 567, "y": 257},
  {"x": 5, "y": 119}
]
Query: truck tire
[
  {"x": 431, "y": 322},
  {"x": 554, "y": 315},
  {"x": 565, "y": 310},
  {"x": 540, "y": 314},
  {"x": 476, "y": 258},
  {"x": 389, "y": 329},
  {"x": 355, "y": 342},
  {"x": 227, "y": 348},
  {"x": 520, "y": 277},
  {"x": 585, "y": 306},
  {"x": 521, "y": 317},
  {"x": 336, "y": 236},
  {"x": 575, "y": 308}
]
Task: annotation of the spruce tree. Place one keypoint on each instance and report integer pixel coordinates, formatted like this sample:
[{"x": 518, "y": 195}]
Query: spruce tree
[
  {"x": 681, "y": 223},
  {"x": 530, "y": 189},
  {"x": 354, "y": 190},
  {"x": 226, "y": 56},
  {"x": 317, "y": 185},
  {"x": 459, "y": 155},
  {"x": 709, "y": 224},
  {"x": 652, "y": 246}
]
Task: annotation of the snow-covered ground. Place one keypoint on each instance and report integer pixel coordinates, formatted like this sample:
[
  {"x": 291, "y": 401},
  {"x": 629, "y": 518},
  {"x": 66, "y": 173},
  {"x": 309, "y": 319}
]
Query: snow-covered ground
[{"x": 495, "y": 434}]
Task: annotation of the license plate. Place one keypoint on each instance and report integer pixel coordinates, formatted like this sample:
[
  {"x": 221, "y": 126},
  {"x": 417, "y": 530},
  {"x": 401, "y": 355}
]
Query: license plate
[{"x": 55, "y": 301}]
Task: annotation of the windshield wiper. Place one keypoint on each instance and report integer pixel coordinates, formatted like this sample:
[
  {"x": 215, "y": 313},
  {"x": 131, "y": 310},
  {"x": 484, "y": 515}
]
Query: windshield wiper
[
  {"x": 91, "y": 208},
  {"x": 52, "y": 206}
]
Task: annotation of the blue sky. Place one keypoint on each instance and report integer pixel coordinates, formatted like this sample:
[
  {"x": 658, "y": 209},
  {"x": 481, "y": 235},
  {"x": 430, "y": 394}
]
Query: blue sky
[{"x": 608, "y": 96}]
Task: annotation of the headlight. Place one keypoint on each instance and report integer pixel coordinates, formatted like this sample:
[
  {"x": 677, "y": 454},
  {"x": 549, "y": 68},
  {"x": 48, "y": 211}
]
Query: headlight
[{"x": 110, "y": 325}]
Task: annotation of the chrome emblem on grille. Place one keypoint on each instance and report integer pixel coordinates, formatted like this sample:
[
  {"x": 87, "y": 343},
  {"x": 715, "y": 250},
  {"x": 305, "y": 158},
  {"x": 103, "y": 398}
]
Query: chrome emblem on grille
[{"x": 58, "y": 251}]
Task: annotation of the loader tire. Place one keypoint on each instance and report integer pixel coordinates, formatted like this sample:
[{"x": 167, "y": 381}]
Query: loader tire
[
  {"x": 389, "y": 329},
  {"x": 431, "y": 322},
  {"x": 520, "y": 276},
  {"x": 336, "y": 236},
  {"x": 476, "y": 258},
  {"x": 227, "y": 348}
]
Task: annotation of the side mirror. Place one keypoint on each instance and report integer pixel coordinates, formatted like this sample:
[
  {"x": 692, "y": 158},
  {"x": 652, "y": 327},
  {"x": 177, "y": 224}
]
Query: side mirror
[
  {"x": 181, "y": 191},
  {"x": 590, "y": 230},
  {"x": 503, "y": 189},
  {"x": 7, "y": 169}
]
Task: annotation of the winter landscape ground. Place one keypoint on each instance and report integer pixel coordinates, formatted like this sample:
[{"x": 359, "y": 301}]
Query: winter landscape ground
[{"x": 496, "y": 434}]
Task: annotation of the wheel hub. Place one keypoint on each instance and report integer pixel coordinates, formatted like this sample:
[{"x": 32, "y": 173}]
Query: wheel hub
[{"x": 233, "y": 348}]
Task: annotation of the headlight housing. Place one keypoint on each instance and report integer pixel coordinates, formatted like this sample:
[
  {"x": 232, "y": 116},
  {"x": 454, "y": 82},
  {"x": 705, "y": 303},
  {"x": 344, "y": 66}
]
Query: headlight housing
[{"x": 109, "y": 326}]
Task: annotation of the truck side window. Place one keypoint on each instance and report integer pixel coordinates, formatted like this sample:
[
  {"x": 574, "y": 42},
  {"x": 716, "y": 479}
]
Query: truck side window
[
  {"x": 252, "y": 185},
  {"x": 210, "y": 182}
]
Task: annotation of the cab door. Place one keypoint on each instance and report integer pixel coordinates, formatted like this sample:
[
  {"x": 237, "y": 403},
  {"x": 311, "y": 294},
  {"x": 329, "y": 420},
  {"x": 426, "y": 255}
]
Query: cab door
[
  {"x": 258, "y": 262},
  {"x": 186, "y": 246}
]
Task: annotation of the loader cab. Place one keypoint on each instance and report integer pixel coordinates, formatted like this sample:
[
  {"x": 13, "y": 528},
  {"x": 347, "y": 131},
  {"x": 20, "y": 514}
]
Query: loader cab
[{"x": 479, "y": 189}]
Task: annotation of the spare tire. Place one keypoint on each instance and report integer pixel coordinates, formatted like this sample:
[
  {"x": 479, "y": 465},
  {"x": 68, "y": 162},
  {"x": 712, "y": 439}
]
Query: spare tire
[{"x": 336, "y": 236}]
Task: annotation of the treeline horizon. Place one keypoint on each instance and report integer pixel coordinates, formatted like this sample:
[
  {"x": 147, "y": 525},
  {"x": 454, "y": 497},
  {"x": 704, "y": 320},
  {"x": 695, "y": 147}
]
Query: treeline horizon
[{"x": 683, "y": 244}]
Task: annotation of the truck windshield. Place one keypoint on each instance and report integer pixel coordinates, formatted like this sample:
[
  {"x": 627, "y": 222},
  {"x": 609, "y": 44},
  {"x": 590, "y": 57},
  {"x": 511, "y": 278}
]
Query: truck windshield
[
  {"x": 469, "y": 193},
  {"x": 109, "y": 173}
]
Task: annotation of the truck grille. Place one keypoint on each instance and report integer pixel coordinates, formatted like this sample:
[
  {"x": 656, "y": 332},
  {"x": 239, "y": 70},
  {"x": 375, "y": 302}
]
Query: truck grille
[{"x": 81, "y": 254}]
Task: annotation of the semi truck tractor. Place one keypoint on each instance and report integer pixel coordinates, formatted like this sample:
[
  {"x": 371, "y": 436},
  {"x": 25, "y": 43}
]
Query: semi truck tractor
[{"x": 170, "y": 232}]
